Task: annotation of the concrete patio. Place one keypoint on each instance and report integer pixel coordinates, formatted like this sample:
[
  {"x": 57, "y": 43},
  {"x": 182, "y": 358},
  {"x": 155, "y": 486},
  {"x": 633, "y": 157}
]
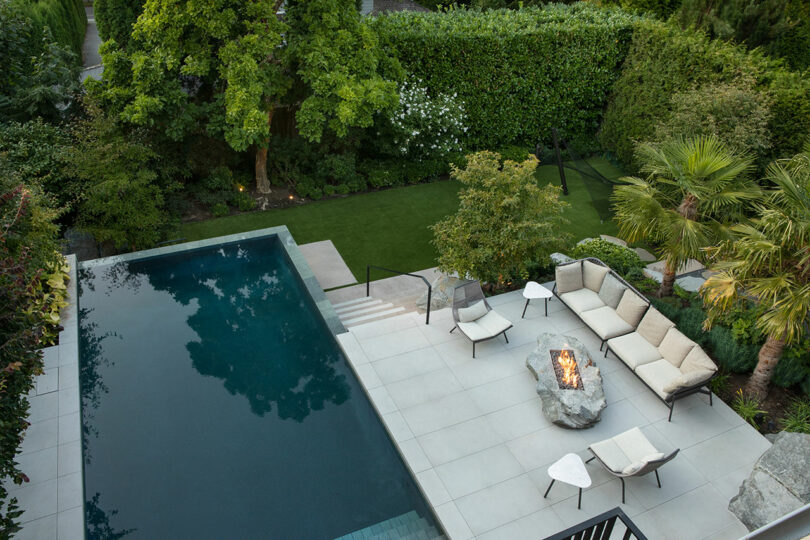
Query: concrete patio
[{"x": 475, "y": 438}]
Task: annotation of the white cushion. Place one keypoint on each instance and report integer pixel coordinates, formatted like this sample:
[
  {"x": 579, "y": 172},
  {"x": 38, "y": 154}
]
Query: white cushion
[
  {"x": 690, "y": 379},
  {"x": 568, "y": 277},
  {"x": 631, "y": 308},
  {"x": 488, "y": 326},
  {"x": 473, "y": 312},
  {"x": 675, "y": 346},
  {"x": 625, "y": 448},
  {"x": 605, "y": 323},
  {"x": 582, "y": 300},
  {"x": 655, "y": 456},
  {"x": 611, "y": 291},
  {"x": 634, "y": 350},
  {"x": 633, "y": 468},
  {"x": 654, "y": 326},
  {"x": 593, "y": 275},
  {"x": 659, "y": 375},
  {"x": 697, "y": 360}
]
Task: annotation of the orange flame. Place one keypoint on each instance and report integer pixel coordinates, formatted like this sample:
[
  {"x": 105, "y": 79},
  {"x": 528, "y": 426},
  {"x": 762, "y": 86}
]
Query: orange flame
[{"x": 569, "y": 367}]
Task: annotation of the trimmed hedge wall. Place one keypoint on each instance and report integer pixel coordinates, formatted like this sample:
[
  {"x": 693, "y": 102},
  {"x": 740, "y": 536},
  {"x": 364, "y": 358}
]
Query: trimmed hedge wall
[
  {"x": 663, "y": 60},
  {"x": 517, "y": 73},
  {"x": 66, "y": 19}
]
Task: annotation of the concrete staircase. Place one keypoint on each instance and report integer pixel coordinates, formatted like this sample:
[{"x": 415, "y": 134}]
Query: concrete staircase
[
  {"x": 405, "y": 527},
  {"x": 365, "y": 309}
]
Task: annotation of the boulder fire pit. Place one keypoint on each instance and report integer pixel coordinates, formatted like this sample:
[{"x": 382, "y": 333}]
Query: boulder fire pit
[{"x": 568, "y": 383}]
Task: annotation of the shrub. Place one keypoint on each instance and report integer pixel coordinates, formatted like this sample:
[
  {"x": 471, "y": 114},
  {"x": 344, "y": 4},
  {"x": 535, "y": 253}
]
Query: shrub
[
  {"x": 619, "y": 258},
  {"x": 516, "y": 73},
  {"x": 216, "y": 188},
  {"x": 65, "y": 20},
  {"x": 734, "y": 112},
  {"x": 690, "y": 322},
  {"x": 115, "y": 19},
  {"x": 797, "y": 417},
  {"x": 794, "y": 366},
  {"x": 664, "y": 60},
  {"x": 749, "y": 408},
  {"x": 731, "y": 354},
  {"x": 667, "y": 308},
  {"x": 220, "y": 210},
  {"x": 515, "y": 153},
  {"x": 425, "y": 126},
  {"x": 504, "y": 223},
  {"x": 244, "y": 202}
]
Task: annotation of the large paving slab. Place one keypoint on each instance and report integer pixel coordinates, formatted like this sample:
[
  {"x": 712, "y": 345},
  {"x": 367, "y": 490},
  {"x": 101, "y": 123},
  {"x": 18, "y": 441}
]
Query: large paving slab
[
  {"x": 328, "y": 266},
  {"x": 473, "y": 433}
]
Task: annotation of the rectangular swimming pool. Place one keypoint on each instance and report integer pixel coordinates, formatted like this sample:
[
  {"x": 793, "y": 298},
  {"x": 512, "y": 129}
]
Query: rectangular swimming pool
[{"x": 216, "y": 403}]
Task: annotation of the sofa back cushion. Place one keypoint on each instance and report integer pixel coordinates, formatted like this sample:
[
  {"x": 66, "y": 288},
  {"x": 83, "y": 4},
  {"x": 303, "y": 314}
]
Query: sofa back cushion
[
  {"x": 654, "y": 326},
  {"x": 675, "y": 346},
  {"x": 611, "y": 291},
  {"x": 697, "y": 360},
  {"x": 569, "y": 277},
  {"x": 473, "y": 312},
  {"x": 631, "y": 308},
  {"x": 593, "y": 275}
]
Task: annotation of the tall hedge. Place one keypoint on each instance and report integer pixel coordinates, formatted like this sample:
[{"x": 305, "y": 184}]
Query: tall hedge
[
  {"x": 517, "y": 73},
  {"x": 664, "y": 60},
  {"x": 65, "y": 18},
  {"x": 115, "y": 19}
]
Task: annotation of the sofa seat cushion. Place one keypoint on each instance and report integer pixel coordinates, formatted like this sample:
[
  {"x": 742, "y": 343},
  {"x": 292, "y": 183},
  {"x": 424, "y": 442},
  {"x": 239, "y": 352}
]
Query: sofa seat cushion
[
  {"x": 611, "y": 291},
  {"x": 631, "y": 308},
  {"x": 582, "y": 300},
  {"x": 488, "y": 326},
  {"x": 618, "y": 452},
  {"x": 659, "y": 375},
  {"x": 593, "y": 275},
  {"x": 568, "y": 277},
  {"x": 634, "y": 350},
  {"x": 688, "y": 380},
  {"x": 654, "y": 326},
  {"x": 675, "y": 347},
  {"x": 605, "y": 323}
]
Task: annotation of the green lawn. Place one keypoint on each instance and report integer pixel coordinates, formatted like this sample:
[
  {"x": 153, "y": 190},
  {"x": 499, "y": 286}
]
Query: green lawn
[{"x": 390, "y": 228}]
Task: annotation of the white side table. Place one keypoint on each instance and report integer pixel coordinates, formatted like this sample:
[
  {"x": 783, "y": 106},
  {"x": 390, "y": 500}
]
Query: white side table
[
  {"x": 571, "y": 470},
  {"x": 534, "y": 290}
]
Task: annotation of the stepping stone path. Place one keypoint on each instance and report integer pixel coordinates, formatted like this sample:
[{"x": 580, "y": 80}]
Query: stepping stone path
[
  {"x": 690, "y": 283},
  {"x": 613, "y": 240},
  {"x": 645, "y": 255}
]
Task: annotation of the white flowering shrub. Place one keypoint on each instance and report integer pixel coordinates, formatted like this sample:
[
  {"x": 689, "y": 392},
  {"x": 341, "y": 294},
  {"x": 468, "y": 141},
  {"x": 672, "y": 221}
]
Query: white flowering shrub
[{"x": 424, "y": 126}]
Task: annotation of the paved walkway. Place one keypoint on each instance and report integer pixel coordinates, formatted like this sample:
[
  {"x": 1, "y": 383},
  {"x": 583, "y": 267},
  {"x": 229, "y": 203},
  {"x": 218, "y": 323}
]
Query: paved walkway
[
  {"x": 473, "y": 433},
  {"x": 91, "y": 59}
]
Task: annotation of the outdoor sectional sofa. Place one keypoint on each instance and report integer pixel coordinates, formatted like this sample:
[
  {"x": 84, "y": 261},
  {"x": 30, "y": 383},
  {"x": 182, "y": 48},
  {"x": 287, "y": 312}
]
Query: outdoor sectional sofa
[{"x": 669, "y": 363}]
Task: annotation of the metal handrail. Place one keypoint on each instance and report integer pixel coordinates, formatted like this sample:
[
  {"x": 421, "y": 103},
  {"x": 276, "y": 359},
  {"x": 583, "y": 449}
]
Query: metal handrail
[
  {"x": 600, "y": 528},
  {"x": 429, "y": 286}
]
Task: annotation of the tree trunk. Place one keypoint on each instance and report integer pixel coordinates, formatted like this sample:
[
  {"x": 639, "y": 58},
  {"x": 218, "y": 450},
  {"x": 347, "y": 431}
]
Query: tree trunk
[
  {"x": 667, "y": 282},
  {"x": 262, "y": 182},
  {"x": 769, "y": 356}
]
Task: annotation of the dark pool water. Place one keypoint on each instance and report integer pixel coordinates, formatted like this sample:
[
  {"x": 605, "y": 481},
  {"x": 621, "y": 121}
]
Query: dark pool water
[{"x": 216, "y": 404}]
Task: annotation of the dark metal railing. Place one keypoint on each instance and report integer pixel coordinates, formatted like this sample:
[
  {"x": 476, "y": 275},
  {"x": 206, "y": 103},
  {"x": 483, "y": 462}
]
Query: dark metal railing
[
  {"x": 600, "y": 528},
  {"x": 429, "y": 287}
]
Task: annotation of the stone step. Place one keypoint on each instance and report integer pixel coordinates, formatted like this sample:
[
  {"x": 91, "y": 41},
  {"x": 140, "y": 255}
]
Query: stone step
[
  {"x": 398, "y": 310},
  {"x": 351, "y": 302},
  {"x": 358, "y": 306}
]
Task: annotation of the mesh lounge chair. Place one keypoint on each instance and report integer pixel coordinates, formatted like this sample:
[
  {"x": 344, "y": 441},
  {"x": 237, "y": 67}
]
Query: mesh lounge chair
[
  {"x": 629, "y": 454},
  {"x": 474, "y": 316}
]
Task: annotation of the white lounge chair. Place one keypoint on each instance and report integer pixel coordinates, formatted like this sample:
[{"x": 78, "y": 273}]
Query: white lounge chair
[
  {"x": 630, "y": 454},
  {"x": 474, "y": 316}
]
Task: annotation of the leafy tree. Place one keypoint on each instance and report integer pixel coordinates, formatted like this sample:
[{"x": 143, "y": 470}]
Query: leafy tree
[
  {"x": 769, "y": 259},
  {"x": 123, "y": 200},
  {"x": 224, "y": 69},
  {"x": 693, "y": 186},
  {"x": 504, "y": 222}
]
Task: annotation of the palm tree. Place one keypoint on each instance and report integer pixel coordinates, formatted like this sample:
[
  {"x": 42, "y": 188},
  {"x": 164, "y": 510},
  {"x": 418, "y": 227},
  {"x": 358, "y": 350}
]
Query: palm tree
[
  {"x": 693, "y": 187},
  {"x": 769, "y": 259}
]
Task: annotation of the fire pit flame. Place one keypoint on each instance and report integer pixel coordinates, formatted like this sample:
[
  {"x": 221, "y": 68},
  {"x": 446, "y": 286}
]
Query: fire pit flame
[
  {"x": 570, "y": 376},
  {"x": 566, "y": 369}
]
